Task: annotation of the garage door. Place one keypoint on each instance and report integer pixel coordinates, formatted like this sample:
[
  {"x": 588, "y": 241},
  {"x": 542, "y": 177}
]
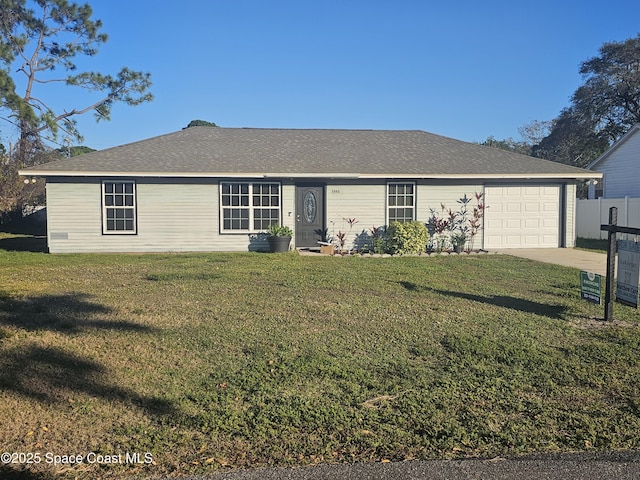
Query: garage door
[{"x": 522, "y": 216}]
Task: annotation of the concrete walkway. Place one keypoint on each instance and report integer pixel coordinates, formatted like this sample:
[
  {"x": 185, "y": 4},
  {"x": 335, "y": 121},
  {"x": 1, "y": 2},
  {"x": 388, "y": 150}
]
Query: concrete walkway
[{"x": 569, "y": 257}]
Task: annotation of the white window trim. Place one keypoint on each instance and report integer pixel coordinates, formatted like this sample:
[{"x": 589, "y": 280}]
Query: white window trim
[
  {"x": 104, "y": 209},
  {"x": 251, "y": 208},
  {"x": 386, "y": 199}
]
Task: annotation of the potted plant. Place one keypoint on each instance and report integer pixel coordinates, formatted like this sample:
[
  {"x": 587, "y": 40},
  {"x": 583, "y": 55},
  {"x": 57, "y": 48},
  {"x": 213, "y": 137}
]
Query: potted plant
[
  {"x": 458, "y": 240},
  {"x": 279, "y": 238}
]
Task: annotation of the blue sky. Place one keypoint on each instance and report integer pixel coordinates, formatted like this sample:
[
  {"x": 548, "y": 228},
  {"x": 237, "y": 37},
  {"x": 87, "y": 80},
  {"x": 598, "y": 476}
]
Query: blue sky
[{"x": 464, "y": 69}]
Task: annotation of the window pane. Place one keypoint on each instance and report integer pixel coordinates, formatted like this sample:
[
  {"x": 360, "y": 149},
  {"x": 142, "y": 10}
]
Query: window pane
[
  {"x": 253, "y": 204},
  {"x": 119, "y": 207}
]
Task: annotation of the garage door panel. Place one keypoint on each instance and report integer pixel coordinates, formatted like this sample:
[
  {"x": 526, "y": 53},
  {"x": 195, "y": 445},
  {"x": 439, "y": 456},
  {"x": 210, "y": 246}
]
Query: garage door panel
[
  {"x": 530, "y": 207},
  {"x": 511, "y": 224},
  {"x": 531, "y": 192},
  {"x": 531, "y": 241},
  {"x": 522, "y": 216},
  {"x": 513, "y": 207},
  {"x": 532, "y": 223}
]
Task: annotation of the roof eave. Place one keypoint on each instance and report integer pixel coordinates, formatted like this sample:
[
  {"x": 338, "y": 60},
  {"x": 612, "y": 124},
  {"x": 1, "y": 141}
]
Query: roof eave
[{"x": 443, "y": 176}]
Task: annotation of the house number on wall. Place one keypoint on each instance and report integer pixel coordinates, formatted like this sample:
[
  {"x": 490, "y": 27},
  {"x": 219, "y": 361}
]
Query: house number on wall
[{"x": 310, "y": 207}]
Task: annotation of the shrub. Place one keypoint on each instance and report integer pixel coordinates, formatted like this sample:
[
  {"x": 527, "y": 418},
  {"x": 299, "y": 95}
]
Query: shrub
[
  {"x": 379, "y": 239},
  {"x": 407, "y": 237}
]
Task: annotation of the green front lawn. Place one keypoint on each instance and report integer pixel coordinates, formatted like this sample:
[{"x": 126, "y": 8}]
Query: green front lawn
[{"x": 232, "y": 360}]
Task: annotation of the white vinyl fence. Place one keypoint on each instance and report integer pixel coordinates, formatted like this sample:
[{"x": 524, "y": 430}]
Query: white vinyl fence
[{"x": 590, "y": 214}]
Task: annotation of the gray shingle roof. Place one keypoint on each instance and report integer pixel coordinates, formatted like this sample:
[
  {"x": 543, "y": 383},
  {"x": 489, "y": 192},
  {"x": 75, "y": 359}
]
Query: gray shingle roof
[{"x": 209, "y": 151}]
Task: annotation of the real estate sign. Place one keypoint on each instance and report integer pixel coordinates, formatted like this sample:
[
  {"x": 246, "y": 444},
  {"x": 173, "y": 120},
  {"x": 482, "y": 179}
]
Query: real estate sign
[
  {"x": 591, "y": 287},
  {"x": 628, "y": 273}
]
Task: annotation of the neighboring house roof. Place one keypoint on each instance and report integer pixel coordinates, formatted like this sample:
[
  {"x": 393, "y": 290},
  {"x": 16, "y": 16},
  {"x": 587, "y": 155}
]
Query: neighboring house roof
[
  {"x": 598, "y": 161},
  {"x": 252, "y": 152}
]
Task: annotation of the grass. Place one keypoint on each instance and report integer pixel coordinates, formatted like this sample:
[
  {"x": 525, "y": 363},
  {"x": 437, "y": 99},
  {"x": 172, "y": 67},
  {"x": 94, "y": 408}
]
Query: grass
[{"x": 218, "y": 361}]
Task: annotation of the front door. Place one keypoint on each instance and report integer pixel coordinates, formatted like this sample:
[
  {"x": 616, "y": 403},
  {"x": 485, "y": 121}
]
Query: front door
[{"x": 310, "y": 227}]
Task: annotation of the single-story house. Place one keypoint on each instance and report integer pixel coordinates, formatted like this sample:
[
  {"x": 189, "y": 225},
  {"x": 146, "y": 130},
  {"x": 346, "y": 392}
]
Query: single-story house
[
  {"x": 620, "y": 166},
  {"x": 216, "y": 189}
]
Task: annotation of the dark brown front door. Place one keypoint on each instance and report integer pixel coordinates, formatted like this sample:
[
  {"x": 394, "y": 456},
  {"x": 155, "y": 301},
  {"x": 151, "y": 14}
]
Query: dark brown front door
[{"x": 309, "y": 214}]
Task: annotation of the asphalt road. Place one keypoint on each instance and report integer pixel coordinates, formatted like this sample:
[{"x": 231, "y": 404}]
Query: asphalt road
[{"x": 572, "y": 466}]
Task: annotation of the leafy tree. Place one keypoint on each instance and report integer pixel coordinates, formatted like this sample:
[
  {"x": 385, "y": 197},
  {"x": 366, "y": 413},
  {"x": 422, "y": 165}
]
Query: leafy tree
[
  {"x": 610, "y": 95},
  {"x": 74, "y": 151},
  {"x": 509, "y": 144},
  {"x": 15, "y": 194},
  {"x": 39, "y": 43},
  {"x": 602, "y": 109},
  {"x": 572, "y": 140},
  {"x": 533, "y": 133},
  {"x": 200, "y": 123}
]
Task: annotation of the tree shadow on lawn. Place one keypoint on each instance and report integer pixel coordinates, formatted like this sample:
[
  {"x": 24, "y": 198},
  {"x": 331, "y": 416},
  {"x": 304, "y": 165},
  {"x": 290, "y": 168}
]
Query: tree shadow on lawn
[
  {"x": 21, "y": 473},
  {"x": 504, "y": 301},
  {"x": 65, "y": 313},
  {"x": 51, "y": 374}
]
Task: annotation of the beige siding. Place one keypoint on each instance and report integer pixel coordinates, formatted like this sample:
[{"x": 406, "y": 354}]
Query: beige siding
[
  {"x": 288, "y": 208},
  {"x": 74, "y": 216},
  {"x": 367, "y": 203},
  {"x": 570, "y": 220},
  {"x": 171, "y": 217},
  {"x": 433, "y": 195},
  {"x": 183, "y": 215},
  {"x": 364, "y": 202}
]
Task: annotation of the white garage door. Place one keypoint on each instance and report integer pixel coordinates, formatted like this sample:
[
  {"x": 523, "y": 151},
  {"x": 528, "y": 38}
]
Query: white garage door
[{"x": 522, "y": 216}]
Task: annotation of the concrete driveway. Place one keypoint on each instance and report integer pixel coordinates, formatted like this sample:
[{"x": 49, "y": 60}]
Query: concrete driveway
[{"x": 569, "y": 257}]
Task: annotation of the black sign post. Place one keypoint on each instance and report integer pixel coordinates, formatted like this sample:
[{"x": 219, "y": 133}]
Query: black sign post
[{"x": 612, "y": 228}]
